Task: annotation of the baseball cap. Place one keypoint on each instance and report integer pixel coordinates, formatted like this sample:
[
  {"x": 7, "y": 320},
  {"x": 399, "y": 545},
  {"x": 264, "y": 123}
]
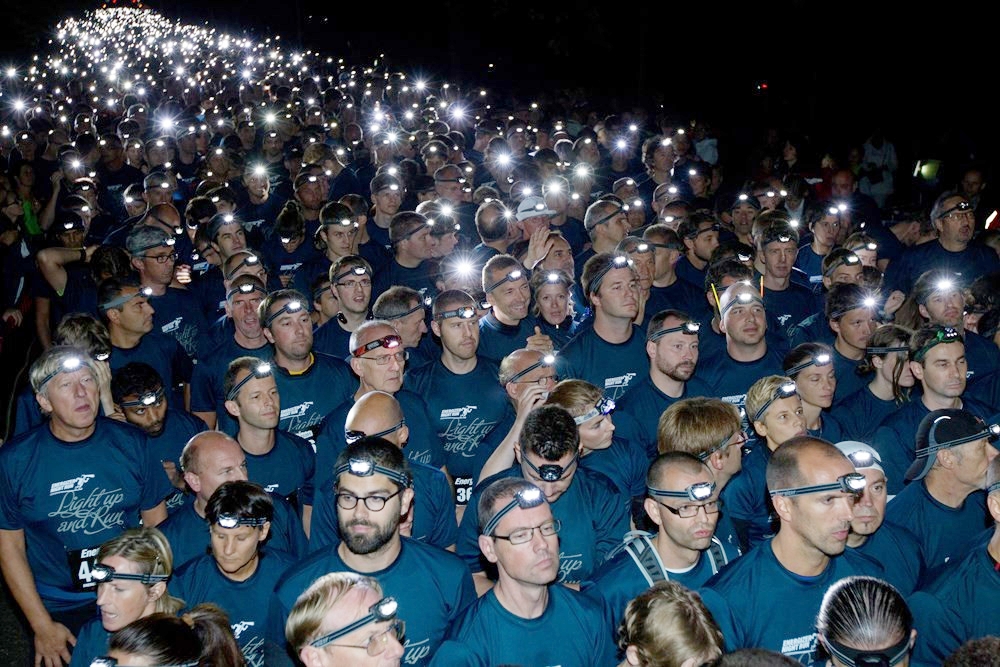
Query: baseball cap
[
  {"x": 944, "y": 429},
  {"x": 531, "y": 207},
  {"x": 862, "y": 456}
]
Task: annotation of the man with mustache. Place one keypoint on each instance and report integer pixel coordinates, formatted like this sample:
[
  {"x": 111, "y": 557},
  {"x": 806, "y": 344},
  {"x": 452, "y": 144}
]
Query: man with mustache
[{"x": 769, "y": 598}]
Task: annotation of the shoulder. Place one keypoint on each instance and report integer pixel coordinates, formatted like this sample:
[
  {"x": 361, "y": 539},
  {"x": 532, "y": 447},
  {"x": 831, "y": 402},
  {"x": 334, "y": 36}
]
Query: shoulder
[
  {"x": 431, "y": 558},
  {"x": 330, "y": 362}
]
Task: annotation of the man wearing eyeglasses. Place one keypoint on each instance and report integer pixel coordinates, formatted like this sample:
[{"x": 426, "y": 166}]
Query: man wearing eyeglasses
[
  {"x": 373, "y": 492},
  {"x": 310, "y": 383},
  {"x": 281, "y": 462},
  {"x": 239, "y": 574},
  {"x": 682, "y": 500},
  {"x": 769, "y": 597},
  {"x": 344, "y": 618},
  {"x": 431, "y": 518},
  {"x": 895, "y": 548},
  {"x": 351, "y": 284},
  {"x": 525, "y": 619},
  {"x": 594, "y": 514},
  {"x": 941, "y": 504},
  {"x": 937, "y": 361},
  {"x": 955, "y": 221},
  {"x": 463, "y": 398},
  {"x": 176, "y": 312},
  {"x": 377, "y": 359},
  {"x": 959, "y": 605}
]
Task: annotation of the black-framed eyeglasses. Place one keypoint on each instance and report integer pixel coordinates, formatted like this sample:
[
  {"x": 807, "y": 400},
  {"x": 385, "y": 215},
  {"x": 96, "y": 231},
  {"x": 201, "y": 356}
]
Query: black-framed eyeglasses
[
  {"x": 349, "y": 501},
  {"x": 786, "y": 390},
  {"x": 852, "y": 483},
  {"x": 963, "y": 207},
  {"x": 351, "y": 436},
  {"x": 390, "y": 342},
  {"x": 383, "y": 610},
  {"x": 161, "y": 259},
  {"x": 525, "y": 535},
  {"x": 690, "y": 511}
]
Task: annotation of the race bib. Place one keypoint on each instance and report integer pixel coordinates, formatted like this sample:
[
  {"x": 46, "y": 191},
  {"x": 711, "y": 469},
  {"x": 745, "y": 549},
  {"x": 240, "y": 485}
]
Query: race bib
[
  {"x": 81, "y": 566},
  {"x": 463, "y": 490}
]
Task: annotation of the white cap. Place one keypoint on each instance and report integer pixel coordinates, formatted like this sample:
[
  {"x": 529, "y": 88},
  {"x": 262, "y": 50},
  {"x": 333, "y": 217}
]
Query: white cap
[{"x": 862, "y": 456}]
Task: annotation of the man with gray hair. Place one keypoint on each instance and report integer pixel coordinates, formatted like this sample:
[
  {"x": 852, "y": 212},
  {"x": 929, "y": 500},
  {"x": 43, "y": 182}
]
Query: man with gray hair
[
  {"x": 154, "y": 255},
  {"x": 66, "y": 487}
]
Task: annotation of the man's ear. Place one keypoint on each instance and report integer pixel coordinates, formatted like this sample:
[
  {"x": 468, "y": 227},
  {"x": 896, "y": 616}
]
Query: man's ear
[
  {"x": 916, "y": 369},
  {"x": 716, "y": 459},
  {"x": 761, "y": 428},
  {"x": 436, "y": 328},
  {"x": 267, "y": 335},
  {"x": 265, "y": 530},
  {"x": 233, "y": 408},
  {"x": 136, "y": 263},
  {"x": 486, "y": 545},
  {"x": 782, "y": 507},
  {"x": 355, "y": 365},
  {"x": 922, "y": 309},
  {"x": 43, "y": 403},
  {"x": 652, "y": 511},
  {"x": 192, "y": 481},
  {"x": 407, "y": 500}
]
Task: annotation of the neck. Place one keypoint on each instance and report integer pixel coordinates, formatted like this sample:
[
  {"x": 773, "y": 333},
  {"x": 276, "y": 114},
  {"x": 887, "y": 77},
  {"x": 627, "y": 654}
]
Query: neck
[
  {"x": 254, "y": 199},
  {"x": 946, "y": 489},
  {"x": 934, "y": 401},
  {"x": 375, "y": 561},
  {"x": 67, "y": 433},
  {"x": 500, "y": 245},
  {"x": 354, "y": 320},
  {"x": 245, "y": 572},
  {"x": 126, "y": 340},
  {"x": 669, "y": 386},
  {"x": 503, "y": 319},
  {"x": 846, "y": 350},
  {"x": 952, "y": 246},
  {"x": 741, "y": 352},
  {"x": 796, "y": 557},
  {"x": 696, "y": 262},
  {"x": 612, "y": 329},
  {"x": 253, "y": 440},
  {"x": 666, "y": 279},
  {"x": 254, "y": 343},
  {"x": 382, "y": 219},
  {"x": 602, "y": 244},
  {"x": 821, "y": 249},
  {"x": 522, "y": 600},
  {"x": 777, "y": 284},
  {"x": 812, "y": 415},
  {"x": 660, "y": 176},
  {"x": 854, "y": 540},
  {"x": 407, "y": 261},
  {"x": 456, "y": 365},
  {"x": 881, "y": 387},
  {"x": 674, "y": 557},
  {"x": 292, "y": 365}
]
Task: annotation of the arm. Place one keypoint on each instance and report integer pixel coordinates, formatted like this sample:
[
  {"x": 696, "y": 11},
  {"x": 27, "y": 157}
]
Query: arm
[
  {"x": 52, "y": 263},
  {"x": 50, "y": 637},
  {"x": 503, "y": 456},
  {"x": 43, "y": 309},
  {"x": 48, "y": 214},
  {"x": 153, "y": 517}
]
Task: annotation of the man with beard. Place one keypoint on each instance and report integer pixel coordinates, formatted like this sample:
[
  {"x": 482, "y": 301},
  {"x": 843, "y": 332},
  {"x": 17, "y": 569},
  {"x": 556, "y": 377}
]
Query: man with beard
[
  {"x": 672, "y": 348},
  {"x": 282, "y": 463},
  {"x": 508, "y": 326},
  {"x": 431, "y": 586},
  {"x": 895, "y": 548},
  {"x": 207, "y": 396},
  {"x": 769, "y": 597},
  {"x": 138, "y": 392}
]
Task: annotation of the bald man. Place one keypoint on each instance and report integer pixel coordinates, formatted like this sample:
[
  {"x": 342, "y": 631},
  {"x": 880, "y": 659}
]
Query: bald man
[
  {"x": 431, "y": 518},
  {"x": 209, "y": 459}
]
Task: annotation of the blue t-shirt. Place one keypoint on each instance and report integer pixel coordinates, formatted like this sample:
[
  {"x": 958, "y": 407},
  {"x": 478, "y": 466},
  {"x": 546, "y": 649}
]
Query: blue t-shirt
[
  {"x": 811, "y": 264},
  {"x": 680, "y": 295},
  {"x": 308, "y": 397},
  {"x": 594, "y": 517},
  {"x": 394, "y": 273},
  {"x": 813, "y": 329},
  {"x": 331, "y": 338},
  {"x": 960, "y": 605},
  {"x": 746, "y": 500},
  {"x": 189, "y": 536},
  {"x": 463, "y": 409},
  {"x": 287, "y": 470},
  {"x": 178, "y": 316},
  {"x": 729, "y": 379},
  {"x": 790, "y": 305},
  {"x": 497, "y": 340},
  {"x": 246, "y": 603},
  {"x": 561, "y": 333},
  {"x": 573, "y": 631},
  {"x": 943, "y": 531},
  {"x": 431, "y": 586},
  {"x": 643, "y": 404},
  {"x": 759, "y": 604},
  {"x": 898, "y": 551},
  {"x": 433, "y": 510},
  {"x": 206, "y": 384},
  {"x": 164, "y": 354},
  {"x": 687, "y": 272},
  {"x": 625, "y": 463},
  {"x": 91, "y": 643},
  {"x": 611, "y": 367},
  {"x": 69, "y": 498},
  {"x": 860, "y": 413},
  {"x": 621, "y": 578},
  {"x": 982, "y": 356},
  {"x": 969, "y": 264},
  {"x": 290, "y": 264},
  {"x": 829, "y": 428},
  {"x": 848, "y": 378}
]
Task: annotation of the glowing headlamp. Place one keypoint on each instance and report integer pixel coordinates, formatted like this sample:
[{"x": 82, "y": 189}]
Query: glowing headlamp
[
  {"x": 822, "y": 359},
  {"x": 364, "y": 467},
  {"x": 699, "y": 492},
  {"x": 853, "y": 483},
  {"x": 689, "y": 328},
  {"x": 524, "y": 499},
  {"x": 146, "y": 400},
  {"x": 383, "y": 610},
  {"x": 786, "y": 390},
  {"x": 260, "y": 371},
  {"x": 604, "y": 406}
]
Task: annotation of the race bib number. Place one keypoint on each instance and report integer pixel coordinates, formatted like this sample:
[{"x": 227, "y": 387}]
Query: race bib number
[
  {"x": 463, "y": 490},
  {"x": 81, "y": 566}
]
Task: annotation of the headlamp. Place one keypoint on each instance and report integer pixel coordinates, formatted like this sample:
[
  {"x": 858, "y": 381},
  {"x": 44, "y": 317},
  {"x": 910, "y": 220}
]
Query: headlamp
[
  {"x": 604, "y": 406},
  {"x": 365, "y": 467},
  {"x": 104, "y": 573},
  {"x": 551, "y": 472},
  {"x": 383, "y": 610},
  {"x": 786, "y": 390},
  {"x": 353, "y": 271},
  {"x": 697, "y": 492},
  {"x": 690, "y": 328},
  {"x": 245, "y": 288},
  {"x": 390, "y": 342},
  {"x": 742, "y": 299},
  {"x": 104, "y": 355},
  {"x": 419, "y": 306},
  {"x": 617, "y": 262},
  {"x": 512, "y": 276},
  {"x": 293, "y": 306},
  {"x": 853, "y": 483},
  {"x": 146, "y": 400},
  {"x": 351, "y": 436},
  {"x": 262, "y": 370},
  {"x": 122, "y": 299},
  {"x": 68, "y": 365},
  {"x": 822, "y": 359},
  {"x": 464, "y": 313},
  {"x": 235, "y": 521},
  {"x": 546, "y": 361},
  {"x": 886, "y": 350},
  {"x": 849, "y": 259},
  {"x": 871, "y": 245},
  {"x": 524, "y": 499},
  {"x": 852, "y": 657},
  {"x": 991, "y": 432},
  {"x": 942, "y": 335},
  {"x": 165, "y": 243},
  {"x": 249, "y": 260}
]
